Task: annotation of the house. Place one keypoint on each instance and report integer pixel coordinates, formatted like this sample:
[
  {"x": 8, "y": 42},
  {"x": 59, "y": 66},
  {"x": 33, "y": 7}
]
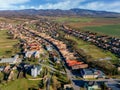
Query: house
[
  {"x": 13, "y": 60},
  {"x": 92, "y": 86},
  {"x": 28, "y": 54},
  {"x": 79, "y": 66},
  {"x": 119, "y": 68},
  {"x": 1, "y": 68},
  {"x": 49, "y": 48},
  {"x": 74, "y": 64},
  {"x": 35, "y": 54},
  {"x": 92, "y": 73},
  {"x": 35, "y": 70},
  {"x": 67, "y": 87},
  {"x": 34, "y": 46}
]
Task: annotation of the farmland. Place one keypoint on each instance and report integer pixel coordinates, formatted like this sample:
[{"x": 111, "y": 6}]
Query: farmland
[
  {"x": 6, "y": 44},
  {"x": 72, "y": 19},
  {"x": 113, "y": 30},
  {"x": 108, "y": 26}
]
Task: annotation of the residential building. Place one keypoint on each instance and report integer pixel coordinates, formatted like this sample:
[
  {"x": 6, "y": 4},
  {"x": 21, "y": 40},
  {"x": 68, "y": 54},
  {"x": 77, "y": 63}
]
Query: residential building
[
  {"x": 35, "y": 70},
  {"x": 92, "y": 86},
  {"x": 35, "y": 54},
  {"x": 92, "y": 73},
  {"x": 13, "y": 60},
  {"x": 74, "y": 64}
]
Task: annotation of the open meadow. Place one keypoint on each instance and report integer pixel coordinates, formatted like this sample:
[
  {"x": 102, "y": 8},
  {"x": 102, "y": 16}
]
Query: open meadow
[
  {"x": 112, "y": 30},
  {"x": 106, "y": 26},
  {"x": 6, "y": 44},
  {"x": 93, "y": 51}
]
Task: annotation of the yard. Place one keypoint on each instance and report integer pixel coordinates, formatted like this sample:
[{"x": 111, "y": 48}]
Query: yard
[
  {"x": 20, "y": 84},
  {"x": 6, "y": 44}
]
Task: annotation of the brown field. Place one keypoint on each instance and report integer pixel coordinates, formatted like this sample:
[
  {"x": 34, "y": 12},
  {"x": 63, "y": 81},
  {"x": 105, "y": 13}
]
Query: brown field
[{"x": 95, "y": 22}]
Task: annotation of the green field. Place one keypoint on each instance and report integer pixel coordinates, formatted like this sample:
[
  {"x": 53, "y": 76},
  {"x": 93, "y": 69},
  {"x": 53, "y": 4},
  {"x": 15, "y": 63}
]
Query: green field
[
  {"x": 72, "y": 19},
  {"x": 106, "y": 26},
  {"x": 19, "y": 84},
  {"x": 6, "y": 44},
  {"x": 95, "y": 52},
  {"x": 113, "y": 30}
]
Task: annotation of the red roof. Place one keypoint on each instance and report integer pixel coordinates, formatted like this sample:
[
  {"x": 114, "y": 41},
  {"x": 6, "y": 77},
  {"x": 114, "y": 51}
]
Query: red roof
[{"x": 73, "y": 62}]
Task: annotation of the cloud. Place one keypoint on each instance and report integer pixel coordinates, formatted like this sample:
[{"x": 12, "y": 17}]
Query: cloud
[
  {"x": 104, "y": 5},
  {"x": 11, "y": 4},
  {"x": 100, "y": 5},
  {"x": 67, "y": 4}
]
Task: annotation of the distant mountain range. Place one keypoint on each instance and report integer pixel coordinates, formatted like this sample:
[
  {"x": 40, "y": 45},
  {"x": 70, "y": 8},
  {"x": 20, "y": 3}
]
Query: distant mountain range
[{"x": 58, "y": 12}]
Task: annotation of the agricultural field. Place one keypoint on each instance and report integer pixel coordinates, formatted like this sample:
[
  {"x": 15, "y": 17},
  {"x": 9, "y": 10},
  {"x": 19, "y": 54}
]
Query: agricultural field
[
  {"x": 112, "y": 30},
  {"x": 108, "y": 26},
  {"x": 72, "y": 19},
  {"x": 6, "y": 44}
]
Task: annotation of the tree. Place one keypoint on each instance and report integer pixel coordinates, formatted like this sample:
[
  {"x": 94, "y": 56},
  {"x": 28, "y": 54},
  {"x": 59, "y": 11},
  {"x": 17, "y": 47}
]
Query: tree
[{"x": 41, "y": 84}]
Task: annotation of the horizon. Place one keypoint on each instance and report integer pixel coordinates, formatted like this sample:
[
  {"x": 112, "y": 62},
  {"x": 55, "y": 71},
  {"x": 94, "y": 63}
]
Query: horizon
[
  {"x": 63, "y": 10},
  {"x": 97, "y": 5}
]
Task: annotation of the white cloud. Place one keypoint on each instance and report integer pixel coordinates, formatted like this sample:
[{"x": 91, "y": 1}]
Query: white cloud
[
  {"x": 11, "y": 4},
  {"x": 94, "y": 5},
  {"x": 67, "y": 4},
  {"x": 114, "y": 5},
  {"x": 106, "y": 6}
]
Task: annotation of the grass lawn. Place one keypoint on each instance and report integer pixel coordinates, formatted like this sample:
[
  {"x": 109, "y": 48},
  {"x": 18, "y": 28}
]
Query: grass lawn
[
  {"x": 6, "y": 44},
  {"x": 92, "y": 50},
  {"x": 20, "y": 84},
  {"x": 113, "y": 30}
]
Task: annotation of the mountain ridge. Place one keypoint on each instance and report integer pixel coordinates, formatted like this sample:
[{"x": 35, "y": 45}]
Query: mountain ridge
[{"x": 59, "y": 12}]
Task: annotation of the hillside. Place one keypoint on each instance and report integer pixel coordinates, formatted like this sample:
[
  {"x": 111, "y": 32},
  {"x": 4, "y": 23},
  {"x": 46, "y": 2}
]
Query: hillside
[{"x": 58, "y": 12}]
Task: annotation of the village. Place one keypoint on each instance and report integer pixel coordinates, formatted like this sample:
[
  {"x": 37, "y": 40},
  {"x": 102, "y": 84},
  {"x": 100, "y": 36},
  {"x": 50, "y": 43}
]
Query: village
[{"x": 43, "y": 56}]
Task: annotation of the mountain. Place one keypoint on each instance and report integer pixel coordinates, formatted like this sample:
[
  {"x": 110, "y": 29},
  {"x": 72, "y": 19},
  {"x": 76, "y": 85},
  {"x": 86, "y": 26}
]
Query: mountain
[{"x": 58, "y": 12}]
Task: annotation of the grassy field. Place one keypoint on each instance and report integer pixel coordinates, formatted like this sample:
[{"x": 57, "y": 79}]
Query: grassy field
[
  {"x": 72, "y": 19},
  {"x": 113, "y": 30},
  {"x": 95, "y": 52},
  {"x": 6, "y": 45},
  {"x": 19, "y": 84},
  {"x": 108, "y": 26}
]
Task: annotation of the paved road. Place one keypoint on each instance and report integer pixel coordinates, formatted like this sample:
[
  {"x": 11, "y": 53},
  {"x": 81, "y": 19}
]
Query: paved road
[{"x": 71, "y": 76}]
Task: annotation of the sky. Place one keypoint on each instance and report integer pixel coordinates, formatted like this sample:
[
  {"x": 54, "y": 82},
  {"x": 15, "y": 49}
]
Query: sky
[{"x": 100, "y": 5}]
